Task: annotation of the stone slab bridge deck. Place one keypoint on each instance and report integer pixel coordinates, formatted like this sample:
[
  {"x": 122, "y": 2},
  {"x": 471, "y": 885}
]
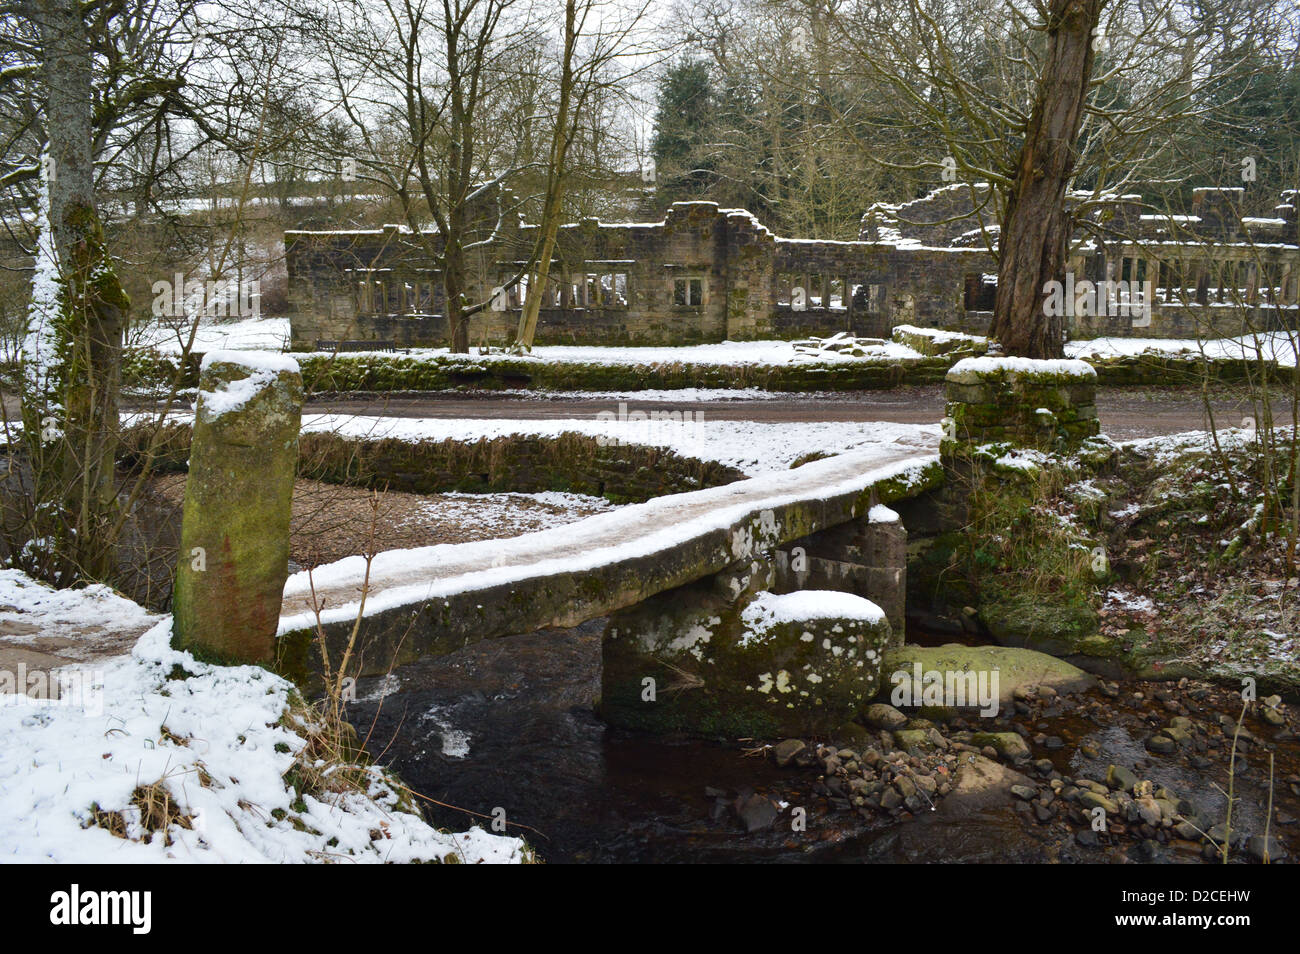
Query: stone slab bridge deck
[{"x": 435, "y": 600}]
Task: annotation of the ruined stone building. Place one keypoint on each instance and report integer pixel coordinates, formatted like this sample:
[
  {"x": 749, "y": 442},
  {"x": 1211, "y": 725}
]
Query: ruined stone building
[{"x": 707, "y": 274}]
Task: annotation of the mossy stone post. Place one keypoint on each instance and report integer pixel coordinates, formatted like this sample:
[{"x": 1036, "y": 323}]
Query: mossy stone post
[
  {"x": 1049, "y": 405},
  {"x": 998, "y": 403},
  {"x": 234, "y": 555}
]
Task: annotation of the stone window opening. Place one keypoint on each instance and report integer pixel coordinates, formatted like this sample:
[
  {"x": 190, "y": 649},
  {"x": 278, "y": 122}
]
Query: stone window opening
[
  {"x": 835, "y": 299},
  {"x": 688, "y": 292},
  {"x": 980, "y": 294},
  {"x": 605, "y": 290},
  {"x": 381, "y": 292}
]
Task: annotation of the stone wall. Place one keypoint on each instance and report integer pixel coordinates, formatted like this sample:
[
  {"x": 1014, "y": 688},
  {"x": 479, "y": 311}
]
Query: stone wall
[{"x": 706, "y": 274}]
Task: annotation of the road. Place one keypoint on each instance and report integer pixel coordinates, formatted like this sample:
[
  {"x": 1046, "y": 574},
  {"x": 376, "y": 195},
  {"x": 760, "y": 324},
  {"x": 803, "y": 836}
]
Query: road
[{"x": 1125, "y": 413}]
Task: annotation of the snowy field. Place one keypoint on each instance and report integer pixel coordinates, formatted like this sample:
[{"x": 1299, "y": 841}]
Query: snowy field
[
  {"x": 249, "y": 334},
  {"x": 1277, "y": 345}
]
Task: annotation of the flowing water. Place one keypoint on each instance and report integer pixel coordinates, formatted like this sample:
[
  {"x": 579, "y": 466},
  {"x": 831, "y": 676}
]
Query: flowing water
[{"x": 508, "y": 724}]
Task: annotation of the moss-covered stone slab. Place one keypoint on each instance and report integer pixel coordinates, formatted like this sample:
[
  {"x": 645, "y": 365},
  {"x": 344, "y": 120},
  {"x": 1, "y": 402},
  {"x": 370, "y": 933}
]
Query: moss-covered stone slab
[
  {"x": 1058, "y": 630},
  {"x": 1016, "y": 668},
  {"x": 419, "y": 605}
]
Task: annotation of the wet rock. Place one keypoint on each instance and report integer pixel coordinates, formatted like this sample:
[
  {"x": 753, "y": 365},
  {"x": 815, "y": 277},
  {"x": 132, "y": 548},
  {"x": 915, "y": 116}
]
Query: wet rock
[
  {"x": 1007, "y": 745},
  {"x": 1024, "y": 792},
  {"x": 1189, "y": 829},
  {"x": 1148, "y": 811},
  {"x": 880, "y": 715},
  {"x": 785, "y": 752},
  {"x": 1118, "y": 777},
  {"x": 853, "y": 735},
  {"x": 757, "y": 812},
  {"x": 1219, "y": 835},
  {"x": 1162, "y": 744},
  {"x": 909, "y": 739},
  {"x": 1087, "y": 838},
  {"x": 1092, "y": 800},
  {"x": 1255, "y": 848}
]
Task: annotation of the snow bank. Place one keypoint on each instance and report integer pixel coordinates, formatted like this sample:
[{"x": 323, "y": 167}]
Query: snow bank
[
  {"x": 270, "y": 334},
  {"x": 1279, "y": 346},
  {"x": 1065, "y": 367},
  {"x": 770, "y": 609},
  {"x": 219, "y": 743}
]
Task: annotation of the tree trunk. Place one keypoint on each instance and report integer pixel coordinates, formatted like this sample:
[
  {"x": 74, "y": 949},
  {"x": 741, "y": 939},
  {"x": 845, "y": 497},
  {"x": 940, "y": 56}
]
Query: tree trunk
[
  {"x": 1034, "y": 241},
  {"x": 553, "y": 207},
  {"x": 453, "y": 283},
  {"x": 73, "y": 352}
]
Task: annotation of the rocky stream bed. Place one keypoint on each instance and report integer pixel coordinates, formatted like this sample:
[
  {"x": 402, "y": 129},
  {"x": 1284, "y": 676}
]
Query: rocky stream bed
[{"x": 509, "y": 725}]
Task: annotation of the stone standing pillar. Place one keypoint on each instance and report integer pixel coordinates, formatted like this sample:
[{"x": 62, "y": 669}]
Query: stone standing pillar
[
  {"x": 234, "y": 555},
  {"x": 1044, "y": 404}
]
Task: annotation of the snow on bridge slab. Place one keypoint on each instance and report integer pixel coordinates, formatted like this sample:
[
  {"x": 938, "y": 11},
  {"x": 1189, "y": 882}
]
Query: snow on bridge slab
[{"x": 436, "y": 599}]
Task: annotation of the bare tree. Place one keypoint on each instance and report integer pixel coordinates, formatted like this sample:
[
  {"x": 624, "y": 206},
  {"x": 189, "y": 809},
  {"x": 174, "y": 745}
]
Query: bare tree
[
  {"x": 582, "y": 75},
  {"x": 72, "y": 355},
  {"x": 415, "y": 80}
]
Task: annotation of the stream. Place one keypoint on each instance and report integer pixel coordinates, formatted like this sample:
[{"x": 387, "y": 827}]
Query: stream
[{"x": 508, "y": 724}]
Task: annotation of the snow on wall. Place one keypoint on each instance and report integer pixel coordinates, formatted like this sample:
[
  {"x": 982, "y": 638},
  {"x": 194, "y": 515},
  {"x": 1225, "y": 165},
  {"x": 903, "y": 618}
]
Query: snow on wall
[
  {"x": 1065, "y": 367},
  {"x": 40, "y": 349}
]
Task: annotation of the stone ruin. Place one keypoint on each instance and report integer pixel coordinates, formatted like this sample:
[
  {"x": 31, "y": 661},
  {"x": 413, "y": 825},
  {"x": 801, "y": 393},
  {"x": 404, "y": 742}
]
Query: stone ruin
[{"x": 707, "y": 274}]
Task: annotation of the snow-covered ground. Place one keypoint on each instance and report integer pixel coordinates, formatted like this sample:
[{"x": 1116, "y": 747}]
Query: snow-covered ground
[
  {"x": 220, "y": 741},
  {"x": 510, "y": 514},
  {"x": 247, "y": 334},
  {"x": 751, "y": 447},
  {"x": 273, "y": 333},
  {"x": 1277, "y": 345}
]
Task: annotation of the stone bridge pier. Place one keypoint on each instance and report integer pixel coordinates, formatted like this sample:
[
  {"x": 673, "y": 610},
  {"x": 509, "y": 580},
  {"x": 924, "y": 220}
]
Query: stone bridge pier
[{"x": 788, "y": 640}]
